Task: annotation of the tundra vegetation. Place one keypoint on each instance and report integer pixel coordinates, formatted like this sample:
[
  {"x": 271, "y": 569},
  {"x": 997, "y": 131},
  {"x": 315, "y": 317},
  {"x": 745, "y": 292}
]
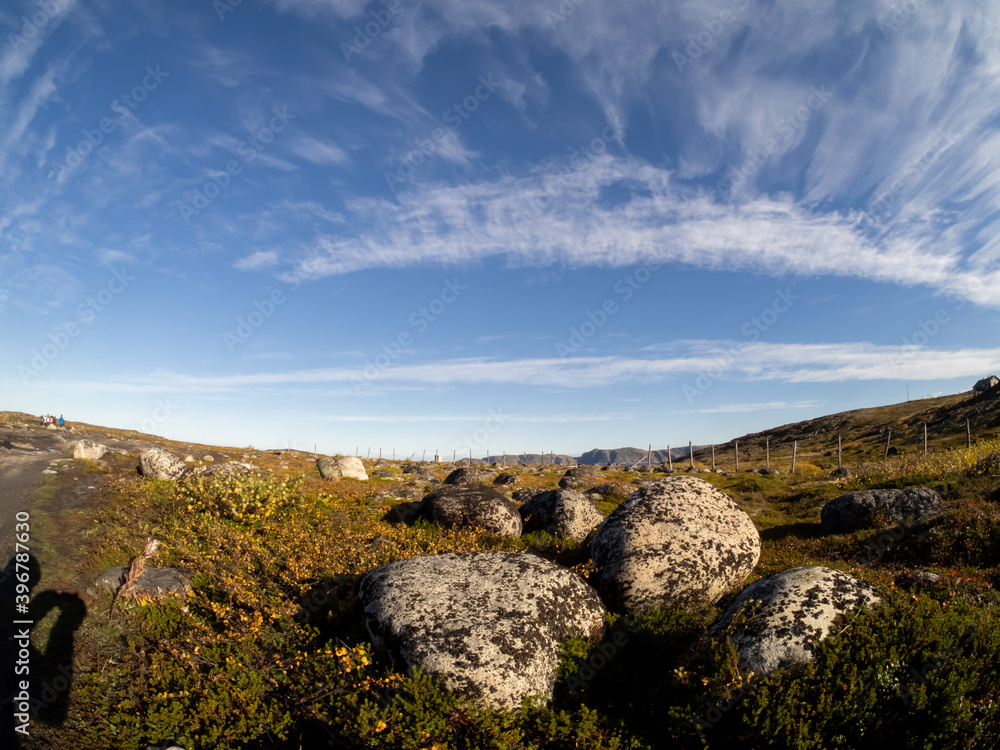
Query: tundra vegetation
[{"x": 269, "y": 650}]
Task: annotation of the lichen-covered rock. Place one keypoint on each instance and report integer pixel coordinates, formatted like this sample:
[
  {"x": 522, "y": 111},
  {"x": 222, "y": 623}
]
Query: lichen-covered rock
[
  {"x": 469, "y": 475},
  {"x": 90, "y": 450},
  {"x": 562, "y": 513},
  {"x": 344, "y": 467},
  {"x": 674, "y": 542},
  {"x": 505, "y": 478},
  {"x": 488, "y": 623},
  {"x": 154, "y": 582},
  {"x": 524, "y": 494},
  {"x": 157, "y": 463},
  {"x": 858, "y": 510},
  {"x": 472, "y": 505},
  {"x": 791, "y": 612}
]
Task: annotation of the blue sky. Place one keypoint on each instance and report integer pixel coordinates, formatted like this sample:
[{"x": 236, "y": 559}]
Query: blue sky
[{"x": 468, "y": 225}]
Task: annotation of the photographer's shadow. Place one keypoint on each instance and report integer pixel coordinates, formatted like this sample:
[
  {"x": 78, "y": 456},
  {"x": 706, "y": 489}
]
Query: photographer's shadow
[{"x": 48, "y": 671}]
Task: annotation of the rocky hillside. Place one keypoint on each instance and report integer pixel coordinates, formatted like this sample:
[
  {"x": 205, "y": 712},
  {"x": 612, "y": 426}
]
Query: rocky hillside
[{"x": 864, "y": 432}]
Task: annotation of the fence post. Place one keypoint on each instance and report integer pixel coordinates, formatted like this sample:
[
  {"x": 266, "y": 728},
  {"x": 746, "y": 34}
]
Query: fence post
[
  {"x": 968, "y": 433},
  {"x": 795, "y": 449},
  {"x": 736, "y": 450},
  {"x": 380, "y": 453},
  {"x": 357, "y": 451},
  {"x": 840, "y": 455},
  {"x": 423, "y": 457},
  {"x": 925, "y": 438},
  {"x": 713, "y": 458},
  {"x": 767, "y": 452},
  {"x": 453, "y": 453},
  {"x": 888, "y": 438},
  {"x": 691, "y": 454},
  {"x": 670, "y": 458},
  {"x": 649, "y": 457},
  {"x": 393, "y": 454}
]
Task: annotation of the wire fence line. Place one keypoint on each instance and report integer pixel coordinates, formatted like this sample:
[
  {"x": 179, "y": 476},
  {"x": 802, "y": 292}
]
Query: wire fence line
[{"x": 785, "y": 454}]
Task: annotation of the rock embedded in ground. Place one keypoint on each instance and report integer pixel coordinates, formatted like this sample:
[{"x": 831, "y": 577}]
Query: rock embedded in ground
[
  {"x": 154, "y": 582},
  {"x": 789, "y": 613},
  {"x": 469, "y": 475},
  {"x": 859, "y": 510},
  {"x": 344, "y": 467},
  {"x": 489, "y": 624},
  {"x": 156, "y": 463},
  {"x": 674, "y": 542},
  {"x": 562, "y": 513},
  {"x": 472, "y": 506},
  {"x": 505, "y": 479}
]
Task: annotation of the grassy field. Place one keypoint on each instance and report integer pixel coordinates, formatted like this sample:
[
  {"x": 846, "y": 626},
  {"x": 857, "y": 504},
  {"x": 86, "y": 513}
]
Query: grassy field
[{"x": 269, "y": 651}]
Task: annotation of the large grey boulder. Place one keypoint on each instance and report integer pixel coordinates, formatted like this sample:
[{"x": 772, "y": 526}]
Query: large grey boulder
[
  {"x": 90, "y": 450},
  {"x": 858, "y": 510},
  {"x": 472, "y": 505},
  {"x": 674, "y": 542},
  {"x": 488, "y": 623},
  {"x": 469, "y": 475},
  {"x": 343, "y": 467},
  {"x": 789, "y": 614},
  {"x": 153, "y": 582},
  {"x": 157, "y": 463},
  {"x": 562, "y": 513}
]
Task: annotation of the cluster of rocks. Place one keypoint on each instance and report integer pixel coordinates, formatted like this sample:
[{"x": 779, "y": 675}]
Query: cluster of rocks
[
  {"x": 489, "y": 623},
  {"x": 157, "y": 463}
]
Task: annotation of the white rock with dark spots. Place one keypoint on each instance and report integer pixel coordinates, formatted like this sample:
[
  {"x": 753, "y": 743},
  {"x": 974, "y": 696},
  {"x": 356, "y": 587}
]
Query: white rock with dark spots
[
  {"x": 472, "y": 505},
  {"x": 488, "y": 623},
  {"x": 674, "y": 542},
  {"x": 344, "y": 467},
  {"x": 858, "y": 510},
  {"x": 90, "y": 450},
  {"x": 157, "y": 463},
  {"x": 789, "y": 614},
  {"x": 562, "y": 513}
]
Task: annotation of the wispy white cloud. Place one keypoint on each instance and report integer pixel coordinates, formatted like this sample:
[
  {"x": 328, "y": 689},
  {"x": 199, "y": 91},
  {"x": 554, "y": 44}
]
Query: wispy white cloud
[
  {"x": 750, "y": 408},
  {"x": 757, "y": 361},
  {"x": 260, "y": 259}
]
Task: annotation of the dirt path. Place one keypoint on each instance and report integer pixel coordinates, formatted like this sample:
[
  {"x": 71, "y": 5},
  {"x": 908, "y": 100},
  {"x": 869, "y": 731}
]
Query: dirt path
[{"x": 24, "y": 455}]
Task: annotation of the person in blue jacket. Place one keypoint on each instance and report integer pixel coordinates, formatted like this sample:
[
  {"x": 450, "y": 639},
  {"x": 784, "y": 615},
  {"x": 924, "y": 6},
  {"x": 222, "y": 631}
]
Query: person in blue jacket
[{"x": 61, "y": 420}]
